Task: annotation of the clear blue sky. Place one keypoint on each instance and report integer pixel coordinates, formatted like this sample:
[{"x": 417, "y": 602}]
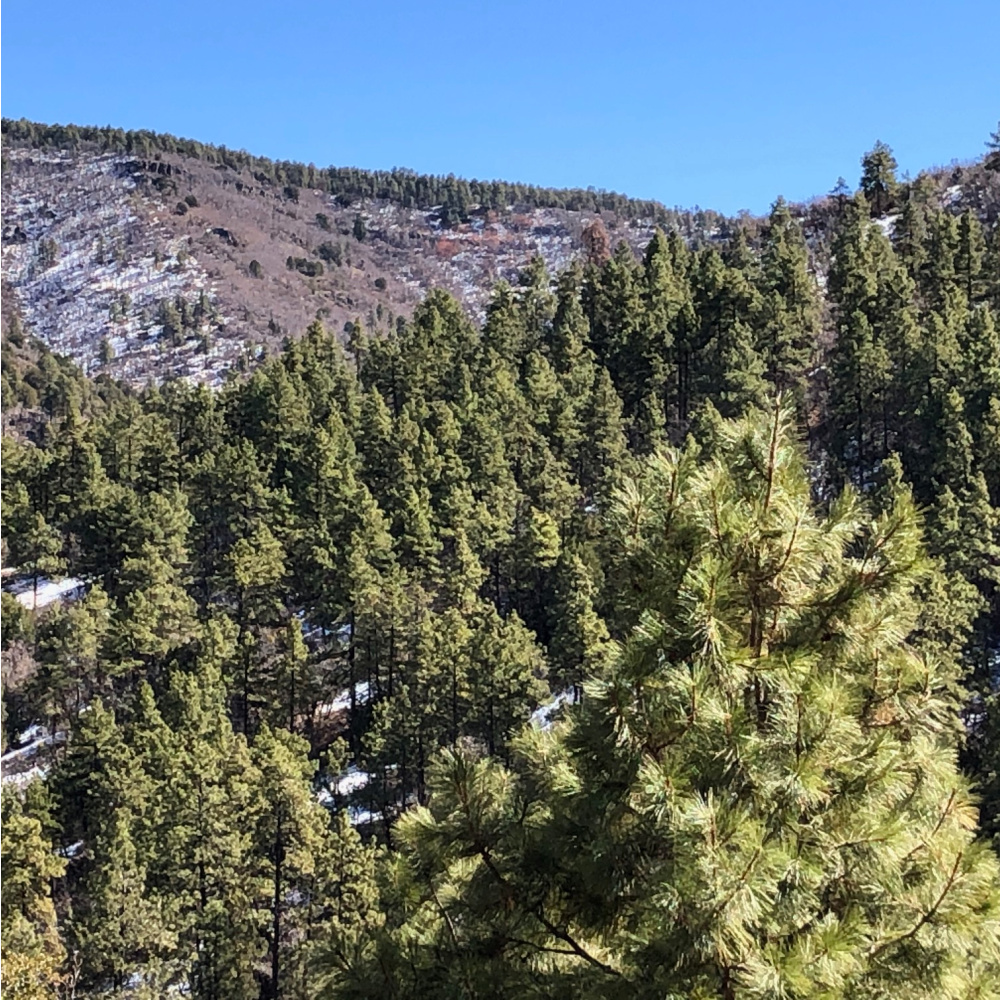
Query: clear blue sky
[{"x": 725, "y": 104}]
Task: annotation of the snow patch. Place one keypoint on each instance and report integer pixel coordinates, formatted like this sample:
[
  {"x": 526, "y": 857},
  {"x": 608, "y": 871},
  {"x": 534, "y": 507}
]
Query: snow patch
[
  {"x": 19, "y": 766},
  {"x": 353, "y": 780},
  {"x": 363, "y": 817},
  {"x": 47, "y": 592},
  {"x": 24, "y": 778},
  {"x": 362, "y": 694},
  {"x": 543, "y": 717},
  {"x": 887, "y": 223}
]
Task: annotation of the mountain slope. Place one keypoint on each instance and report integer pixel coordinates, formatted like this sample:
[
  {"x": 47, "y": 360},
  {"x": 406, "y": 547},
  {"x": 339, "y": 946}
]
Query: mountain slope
[
  {"x": 146, "y": 256},
  {"x": 97, "y": 240}
]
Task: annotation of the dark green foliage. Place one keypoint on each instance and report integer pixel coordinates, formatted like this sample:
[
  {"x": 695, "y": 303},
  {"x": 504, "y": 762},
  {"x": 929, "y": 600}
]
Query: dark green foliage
[
  {"x": 993, "y": 145},
  {"x": 46, "y": 254},
  {"x": 352, "y": 557},
  {"x": 878, "y": 178},
  {"x": 332, "y": 253},
  {"x": 310, "y": 268}
]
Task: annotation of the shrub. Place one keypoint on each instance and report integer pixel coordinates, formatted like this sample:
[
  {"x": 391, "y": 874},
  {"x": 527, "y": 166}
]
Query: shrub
[
  {"x": 310, "y": 268},
  {"x": 331, "y": 253}
]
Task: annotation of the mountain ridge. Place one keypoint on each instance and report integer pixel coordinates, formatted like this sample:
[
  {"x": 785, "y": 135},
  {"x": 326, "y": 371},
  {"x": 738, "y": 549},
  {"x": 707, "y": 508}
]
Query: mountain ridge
[{"x": 149, "y": 257}]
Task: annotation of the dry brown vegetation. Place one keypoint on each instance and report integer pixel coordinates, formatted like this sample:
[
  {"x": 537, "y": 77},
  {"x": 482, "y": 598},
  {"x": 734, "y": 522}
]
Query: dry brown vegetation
[{"x": 177, "y": 227}]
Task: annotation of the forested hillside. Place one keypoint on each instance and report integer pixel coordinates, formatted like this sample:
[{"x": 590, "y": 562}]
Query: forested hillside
[
  {"x": 640, "y": 640},
  {"x": 142, "y": 255}
]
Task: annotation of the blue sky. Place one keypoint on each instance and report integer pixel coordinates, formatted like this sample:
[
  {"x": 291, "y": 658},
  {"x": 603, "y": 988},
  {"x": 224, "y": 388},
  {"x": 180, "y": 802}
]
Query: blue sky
[{"x": 723, "y": 104}]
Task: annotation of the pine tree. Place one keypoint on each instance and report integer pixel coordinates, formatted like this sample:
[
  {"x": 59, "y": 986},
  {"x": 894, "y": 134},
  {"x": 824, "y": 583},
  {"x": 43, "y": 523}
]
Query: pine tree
[
  {"x": 119, "y": 930},
  {"x": 730, "y": 370},
  {"x": 37, "y": 550},
  {"x": 861, "y": 366},
  {"x": 257, "y": 567},
  {"x": 33, "y": 952},
  {"x": 291, "y": 840},
  {"x": 353, "y": 916},
  {"x": 579, "y": 646},
  {"x": 940, "y": 278},
  {"x": 155, "y": 613},
  {"x": 969, "y": 255},
  {"x": 909, "y": 232},
  {"x": 878, "y": 178},
  {"x": 993, "y": 145},
  {"x": 617, "y": 324},
  {"x": 74, "y": 661},
  {"x": 760, "y": 795},
  {"x": 116, "y": 927},
  {"x": 603, "y": 448},
  {"x": 505, "y": 677},
  {"x": 791, "y": 304},
  {"x": 204, "y": 865}
]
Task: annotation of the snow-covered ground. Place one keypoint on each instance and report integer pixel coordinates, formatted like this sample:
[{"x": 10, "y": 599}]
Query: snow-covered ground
[
  {"x": 363, "y": 817},
  {"x": 543, "y": 717},
  {"x": 20, "y": 766},
  {"x": 47, "y": 592},
  {"x": 342, "y": 702},
  {"x": 352, "y": 780},
  {"x": 109, "y": 250},
  {"x": 887, "y": 223}
]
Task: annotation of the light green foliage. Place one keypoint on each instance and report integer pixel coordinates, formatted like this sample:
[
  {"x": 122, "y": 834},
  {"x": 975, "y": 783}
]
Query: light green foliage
[
  {"x": 759, "y": 797},
  {"x": 33, "y": 952}
]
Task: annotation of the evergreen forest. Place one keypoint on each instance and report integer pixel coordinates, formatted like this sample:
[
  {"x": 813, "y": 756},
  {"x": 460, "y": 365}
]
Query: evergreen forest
[
  {"x": 642, "y": 641},
  {"x": 454, "y": 196}
]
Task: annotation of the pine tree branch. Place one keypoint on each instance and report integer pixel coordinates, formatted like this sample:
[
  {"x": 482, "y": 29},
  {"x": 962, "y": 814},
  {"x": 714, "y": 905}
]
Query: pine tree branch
[
  {"x": 878, "y": 949},
  {"x": 539, "y": 915},
  {"x": 722, "y": 904},
  {"x": 541, "y": 947},
  {"x": 937, "y": 826},
  {"x": 577, "y": 948}
]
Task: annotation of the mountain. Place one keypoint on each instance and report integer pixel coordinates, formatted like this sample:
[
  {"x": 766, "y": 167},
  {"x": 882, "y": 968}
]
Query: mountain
[
  {"x": 104, "y": 232},
  {"x": 636, "y": 638},
  {"x": 146, "y": 256}
]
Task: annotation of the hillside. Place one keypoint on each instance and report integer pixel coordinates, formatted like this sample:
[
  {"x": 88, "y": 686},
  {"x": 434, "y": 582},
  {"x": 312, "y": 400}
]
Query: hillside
[
  {"x": 635, "y": 637},
  {"x": 95, "y": 240},
  {"x": 147, "y": 256}
]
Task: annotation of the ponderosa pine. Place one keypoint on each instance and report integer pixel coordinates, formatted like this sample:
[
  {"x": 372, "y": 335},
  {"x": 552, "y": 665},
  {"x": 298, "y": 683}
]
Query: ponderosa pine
[{"x": 758, "y": 798}]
